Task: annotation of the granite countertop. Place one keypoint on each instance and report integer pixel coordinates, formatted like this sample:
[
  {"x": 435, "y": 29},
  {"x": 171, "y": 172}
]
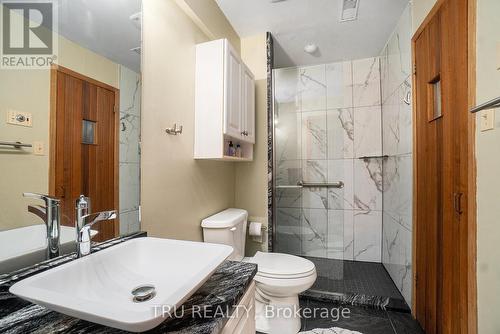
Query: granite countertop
[{"x": 221, "y": 291}]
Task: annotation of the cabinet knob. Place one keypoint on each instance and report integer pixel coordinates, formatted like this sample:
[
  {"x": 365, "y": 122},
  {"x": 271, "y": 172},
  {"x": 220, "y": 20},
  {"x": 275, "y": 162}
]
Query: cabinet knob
[{"x": 244, "y": 133}]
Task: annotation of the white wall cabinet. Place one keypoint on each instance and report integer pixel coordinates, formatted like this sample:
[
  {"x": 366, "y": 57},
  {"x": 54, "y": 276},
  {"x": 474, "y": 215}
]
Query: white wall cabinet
[
  {"x": 248, "y": 104},
  {"x": 233, "y": 120},
  {"x": 224, "y": 103}
]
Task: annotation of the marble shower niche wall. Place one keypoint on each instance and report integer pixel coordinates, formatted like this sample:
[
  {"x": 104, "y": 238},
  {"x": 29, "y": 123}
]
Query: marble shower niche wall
[{"x": 326, "y": 118}]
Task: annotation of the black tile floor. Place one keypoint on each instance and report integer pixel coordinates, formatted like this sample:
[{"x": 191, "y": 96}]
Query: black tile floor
[
  {"x": 347, "y": 278},
  {"x": 356, "y": 283},
  {"x": 354, "y": 277}
]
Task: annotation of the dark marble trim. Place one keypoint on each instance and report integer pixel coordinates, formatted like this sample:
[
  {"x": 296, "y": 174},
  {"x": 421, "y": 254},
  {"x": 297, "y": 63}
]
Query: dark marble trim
[
  {"x": 223, "y": 290},
  {"x": 375, "y": 302},
  {"x": 270, "y": 141}
]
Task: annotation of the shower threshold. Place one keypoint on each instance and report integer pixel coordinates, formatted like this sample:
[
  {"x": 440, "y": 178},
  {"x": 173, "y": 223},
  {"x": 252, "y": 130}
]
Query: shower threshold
[{"x": 355, "y": 283}]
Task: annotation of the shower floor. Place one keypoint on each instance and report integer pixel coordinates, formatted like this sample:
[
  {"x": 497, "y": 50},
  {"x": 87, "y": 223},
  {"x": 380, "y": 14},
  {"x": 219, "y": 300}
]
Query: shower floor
[{"x": 355, "y": 283}]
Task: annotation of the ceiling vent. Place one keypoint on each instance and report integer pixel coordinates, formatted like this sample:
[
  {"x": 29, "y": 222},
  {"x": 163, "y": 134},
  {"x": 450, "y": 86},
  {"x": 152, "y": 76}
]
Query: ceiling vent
[{"x": 349, "y": 10}]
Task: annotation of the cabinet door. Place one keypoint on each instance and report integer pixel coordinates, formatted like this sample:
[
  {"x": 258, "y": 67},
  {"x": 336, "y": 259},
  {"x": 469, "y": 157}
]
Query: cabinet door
[
  {"x": 248, "y": 105},
  {"x": 232, "y": 101}
]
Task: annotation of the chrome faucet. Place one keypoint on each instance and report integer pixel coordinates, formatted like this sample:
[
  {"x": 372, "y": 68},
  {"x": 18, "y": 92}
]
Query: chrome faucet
[
  {"x": 51, "y": 215},
  {"x": 84, "y": 221}
]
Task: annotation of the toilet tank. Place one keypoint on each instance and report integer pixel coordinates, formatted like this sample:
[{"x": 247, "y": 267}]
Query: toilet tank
[{"x": 227, "y": 227}]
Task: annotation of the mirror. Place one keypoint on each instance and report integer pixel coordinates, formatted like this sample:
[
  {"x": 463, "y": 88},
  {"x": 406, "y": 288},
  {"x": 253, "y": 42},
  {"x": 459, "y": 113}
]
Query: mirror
[{"x": 70, "y": 96}]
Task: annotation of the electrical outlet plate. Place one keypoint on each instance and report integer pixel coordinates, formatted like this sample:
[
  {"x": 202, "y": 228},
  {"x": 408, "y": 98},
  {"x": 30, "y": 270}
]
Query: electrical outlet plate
[
  {"x": 38, "y": 148},
  {"x": 19, "y": 118},
  {"x": 487, "y": 120}
]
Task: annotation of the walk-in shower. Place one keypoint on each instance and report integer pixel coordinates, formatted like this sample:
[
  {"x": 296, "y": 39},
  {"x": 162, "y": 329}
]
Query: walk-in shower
[{"x": 330, "y": 173}]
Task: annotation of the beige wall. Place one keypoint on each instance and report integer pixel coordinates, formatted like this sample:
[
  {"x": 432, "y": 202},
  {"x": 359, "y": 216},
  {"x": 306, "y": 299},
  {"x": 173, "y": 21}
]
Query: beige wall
[
  {"x": 420, "y": 9},
  {"x": 29, "y": 91},
  {"x": 488, "y": 167},
  {"x": 251, "y": 177},
  {"x": 177, "y": 192}
]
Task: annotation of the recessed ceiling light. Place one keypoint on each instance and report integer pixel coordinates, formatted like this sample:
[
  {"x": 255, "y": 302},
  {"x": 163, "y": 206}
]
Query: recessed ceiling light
[
  {"x": 349, "y": 10},
  {"x": 310, "y": 48},
  {"x": 274, "y": 1}
]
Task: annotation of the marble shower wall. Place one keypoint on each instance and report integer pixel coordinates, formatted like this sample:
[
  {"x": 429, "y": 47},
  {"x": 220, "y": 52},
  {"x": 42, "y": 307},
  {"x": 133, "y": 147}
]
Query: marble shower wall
[
  {"x": 130, "y": 118},
  {"x": 397, "y": 144},
  {"x": 326, "y": 118}
]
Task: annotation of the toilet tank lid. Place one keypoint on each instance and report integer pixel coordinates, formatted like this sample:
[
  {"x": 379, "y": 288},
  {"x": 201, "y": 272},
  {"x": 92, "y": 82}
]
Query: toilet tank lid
[{"x": 225, "y": 219}]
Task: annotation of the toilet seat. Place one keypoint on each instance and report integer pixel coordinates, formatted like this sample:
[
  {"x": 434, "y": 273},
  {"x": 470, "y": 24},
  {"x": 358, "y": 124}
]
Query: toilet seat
[
  {"x": 286, "y": 277},
  {"x": 282, "y": 266}
]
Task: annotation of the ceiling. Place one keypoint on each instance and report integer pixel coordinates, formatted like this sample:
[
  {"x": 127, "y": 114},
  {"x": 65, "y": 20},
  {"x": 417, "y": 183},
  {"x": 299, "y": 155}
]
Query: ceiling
[
  {"x": 103, "y": 26},
  {"x": 296, "y": 23}
]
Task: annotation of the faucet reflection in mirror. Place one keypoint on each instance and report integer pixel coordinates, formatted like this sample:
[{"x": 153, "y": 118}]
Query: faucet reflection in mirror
[{"x": 51, "y": 215}]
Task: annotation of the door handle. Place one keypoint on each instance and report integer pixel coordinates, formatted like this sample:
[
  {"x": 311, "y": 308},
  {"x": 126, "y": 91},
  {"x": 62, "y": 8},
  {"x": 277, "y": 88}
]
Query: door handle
[{"x": 458, "y": 203}]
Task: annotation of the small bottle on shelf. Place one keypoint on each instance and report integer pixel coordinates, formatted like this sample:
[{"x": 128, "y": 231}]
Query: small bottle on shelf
[
  {"x": 231, "y": 151},
  {"x": 238, "y": 150}
]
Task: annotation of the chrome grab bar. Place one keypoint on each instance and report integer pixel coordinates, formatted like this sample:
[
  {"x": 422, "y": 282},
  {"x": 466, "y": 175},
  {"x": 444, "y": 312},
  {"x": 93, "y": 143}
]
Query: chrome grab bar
[
  {"x": 302, "y": 184},
  {"x": 491, "y": 104},
  {"x": 16, "y": 144},
  {"x": 338, "y": 184},
  {"x": 289, "y": 187}
]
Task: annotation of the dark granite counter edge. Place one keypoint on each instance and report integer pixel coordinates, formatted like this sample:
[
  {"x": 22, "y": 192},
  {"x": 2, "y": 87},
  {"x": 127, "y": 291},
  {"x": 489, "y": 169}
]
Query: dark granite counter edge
[{"x": 224, "y": 289}]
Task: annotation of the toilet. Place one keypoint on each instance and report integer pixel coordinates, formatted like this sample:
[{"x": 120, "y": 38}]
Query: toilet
[{"x": 280, "y": 277}]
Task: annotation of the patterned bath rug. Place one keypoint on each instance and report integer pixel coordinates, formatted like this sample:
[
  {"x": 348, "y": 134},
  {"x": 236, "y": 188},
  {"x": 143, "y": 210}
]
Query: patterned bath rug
[{"x": 333, "y": 330}]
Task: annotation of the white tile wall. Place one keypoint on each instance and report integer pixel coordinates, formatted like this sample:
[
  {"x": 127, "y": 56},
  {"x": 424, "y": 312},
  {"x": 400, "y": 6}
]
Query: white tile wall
[
  {"x": 341, "y": 198},
  {"x": 327, "y": 116},
  {"x": 397, "y": 144},
  {"x": 367, "y": 131},
  {"x": 366, "y": 82},
  {"x": 368, "y": 236},
  {"x": 339, "y": 85},
  {"x": 340, "y": 134},
  {"x": 312, "y": 88},
  {"x": 314, "y": 139},
  {"x": 314, "y": 232},
  {"x": 130, "y": 102},
  {"x": 368, "y": 185}
]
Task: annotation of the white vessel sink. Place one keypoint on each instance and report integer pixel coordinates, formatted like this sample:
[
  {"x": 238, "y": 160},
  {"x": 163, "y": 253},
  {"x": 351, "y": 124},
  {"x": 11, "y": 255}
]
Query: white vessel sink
[{"x": 98, "y": 287}]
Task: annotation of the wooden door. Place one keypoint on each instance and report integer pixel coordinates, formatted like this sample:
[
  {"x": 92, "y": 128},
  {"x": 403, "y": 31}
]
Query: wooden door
[
  {"x": 248, "y": 105},
  {"x": 85, "y": 154},
  {"x": 441, "y": 170},
  {"x": 232, "y": 90}
]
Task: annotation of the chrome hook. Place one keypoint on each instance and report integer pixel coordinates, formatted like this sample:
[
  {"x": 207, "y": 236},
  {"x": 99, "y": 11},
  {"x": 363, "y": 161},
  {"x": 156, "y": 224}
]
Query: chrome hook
[{"x": 174, "y": 130}]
